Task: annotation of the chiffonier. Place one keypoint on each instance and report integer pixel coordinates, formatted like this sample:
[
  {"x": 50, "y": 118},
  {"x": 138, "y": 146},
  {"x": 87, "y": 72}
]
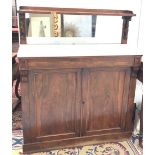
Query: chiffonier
[
  {"x": 72, "y": 98},
  {"x": 76, "y": 94}
]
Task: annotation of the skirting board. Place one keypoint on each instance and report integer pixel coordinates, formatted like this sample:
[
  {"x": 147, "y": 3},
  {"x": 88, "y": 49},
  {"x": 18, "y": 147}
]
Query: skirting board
[{"x": 74, "y": 142}]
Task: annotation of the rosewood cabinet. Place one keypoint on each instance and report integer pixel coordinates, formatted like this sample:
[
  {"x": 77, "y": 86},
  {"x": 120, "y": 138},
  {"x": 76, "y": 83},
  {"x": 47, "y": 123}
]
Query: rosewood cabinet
[{"x": 72, "y": 101}]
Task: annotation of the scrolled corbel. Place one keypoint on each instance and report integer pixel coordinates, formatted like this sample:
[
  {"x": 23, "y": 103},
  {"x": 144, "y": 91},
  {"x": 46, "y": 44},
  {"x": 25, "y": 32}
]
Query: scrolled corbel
[{"x": 24, "y": 75}]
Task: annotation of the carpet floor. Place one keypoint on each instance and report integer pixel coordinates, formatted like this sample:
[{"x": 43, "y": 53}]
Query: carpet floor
[
  {"x": 108, "y": 148},
  {"x": 17, "y": 120}
]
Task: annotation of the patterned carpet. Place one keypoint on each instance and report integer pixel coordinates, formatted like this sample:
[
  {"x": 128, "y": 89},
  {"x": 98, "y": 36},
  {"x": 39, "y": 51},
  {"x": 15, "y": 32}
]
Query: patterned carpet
[
  {"x": 16, "y": 120},
  {"x": 111, "y": 148}
]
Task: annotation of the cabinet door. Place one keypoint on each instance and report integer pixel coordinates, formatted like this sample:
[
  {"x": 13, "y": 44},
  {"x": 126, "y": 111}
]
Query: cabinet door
[
  {"x": 54, "y": 108},
  {"x": 105, "y": 99}
]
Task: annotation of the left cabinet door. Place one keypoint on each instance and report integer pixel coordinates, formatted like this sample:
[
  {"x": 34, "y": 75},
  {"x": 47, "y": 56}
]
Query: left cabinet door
[{"x": 54, "y": 105}]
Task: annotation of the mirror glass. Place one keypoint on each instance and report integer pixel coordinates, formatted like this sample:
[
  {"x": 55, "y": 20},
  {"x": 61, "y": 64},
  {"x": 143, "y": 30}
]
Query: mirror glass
[{"x": 77, "y": 26}]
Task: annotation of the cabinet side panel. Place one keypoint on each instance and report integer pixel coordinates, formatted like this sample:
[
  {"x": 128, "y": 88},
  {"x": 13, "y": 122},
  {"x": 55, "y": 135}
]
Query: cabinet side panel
[
  {"x": 25, "y": 111},
  {"x": 131, "y": 106}
]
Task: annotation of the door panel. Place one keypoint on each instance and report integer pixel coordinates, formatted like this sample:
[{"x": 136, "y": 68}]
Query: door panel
[
  {"x": 57, "y": 103},
  {"x": 105, "y": 100}
]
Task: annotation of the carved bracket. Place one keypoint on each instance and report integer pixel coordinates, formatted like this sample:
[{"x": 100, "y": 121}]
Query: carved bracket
[
  {"x": 23, "y": 67},
  {"x": 24, "y": 75},
  {"x": 137, "y": 60},
  {"x": 23, "y": 64},
  {"x": 134, "y": 72},
  {"x": 140, "y": 73}
]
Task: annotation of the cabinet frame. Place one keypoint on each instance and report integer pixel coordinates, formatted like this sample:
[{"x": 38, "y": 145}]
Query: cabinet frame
[{"x": 129, "y": 64}]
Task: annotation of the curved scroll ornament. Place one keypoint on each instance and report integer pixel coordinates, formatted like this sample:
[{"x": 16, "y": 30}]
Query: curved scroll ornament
[{"x": 56, "y": 24}]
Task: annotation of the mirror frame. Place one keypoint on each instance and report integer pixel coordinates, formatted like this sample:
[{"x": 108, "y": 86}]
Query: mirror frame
[{"x": 126, "y": 16}]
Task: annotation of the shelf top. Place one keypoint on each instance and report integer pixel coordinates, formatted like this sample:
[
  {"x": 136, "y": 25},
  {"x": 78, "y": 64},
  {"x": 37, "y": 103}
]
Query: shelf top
[
  {"x": 82, "y": 11},
  {"x": 77, "y": 50}
]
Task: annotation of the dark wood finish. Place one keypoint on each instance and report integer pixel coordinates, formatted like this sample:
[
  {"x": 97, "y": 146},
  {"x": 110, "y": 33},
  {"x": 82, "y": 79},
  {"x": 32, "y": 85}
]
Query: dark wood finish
[
  {"x": 102, "y": 104},
  {"x": 15, "y": 32},
  {"x": 108, "y": 12},
  {"x": 125, "y": 30},
  {"x": 74, "y": 142},
  {"x": 75, "y": 101},
  {"x": 77, "y": 62},
  {"x": 15, "y": 35},
  {"x": 22, "y": 28},
  {"x": 56, "y": 94},
  {"x": 140, "y": 73},
  {"x": 126, "y": 15}
]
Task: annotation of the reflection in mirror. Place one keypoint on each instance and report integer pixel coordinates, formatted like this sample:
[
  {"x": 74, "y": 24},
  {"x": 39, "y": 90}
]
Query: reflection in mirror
[
  {"x": 40, "y": 25},
  {"x": 56, "y": 25},
  {"x": 89, "y": 27},
  {"x": 78, "y": 25}
]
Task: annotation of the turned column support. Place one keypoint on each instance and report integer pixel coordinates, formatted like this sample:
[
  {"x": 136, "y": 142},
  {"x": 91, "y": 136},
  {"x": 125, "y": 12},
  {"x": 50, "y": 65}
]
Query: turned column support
[
  {"x": 125, "y": 29},
  {"x": 22, "y": 28}
]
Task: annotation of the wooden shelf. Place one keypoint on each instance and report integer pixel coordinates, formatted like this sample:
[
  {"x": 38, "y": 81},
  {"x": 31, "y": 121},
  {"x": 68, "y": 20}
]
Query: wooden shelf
[{"x": 107, "y": 12}]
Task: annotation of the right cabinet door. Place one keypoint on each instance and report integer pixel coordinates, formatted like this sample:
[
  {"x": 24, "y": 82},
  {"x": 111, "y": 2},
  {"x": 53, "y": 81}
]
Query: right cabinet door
[{"x": 105, "y": 100}]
